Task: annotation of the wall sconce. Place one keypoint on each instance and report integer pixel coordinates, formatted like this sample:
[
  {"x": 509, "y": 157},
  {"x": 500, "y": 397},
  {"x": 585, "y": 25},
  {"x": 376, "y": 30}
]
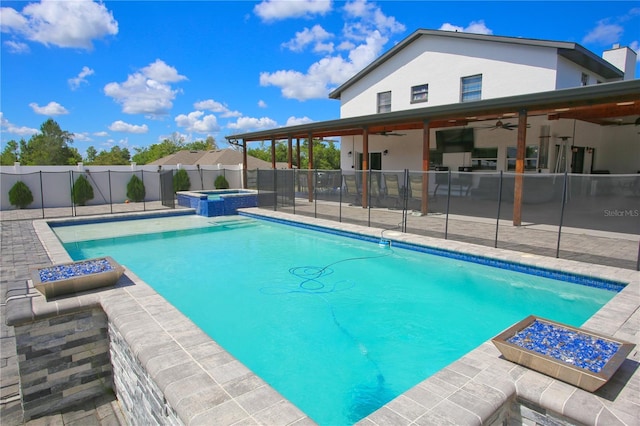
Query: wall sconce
[
  {"x": 385, "y": 152},
  {"x": 159, "y": 168},
  {"x": 589, "y": 150},
  {"x": 349, "y": 154},
  {"x": 574, "y": 149}
]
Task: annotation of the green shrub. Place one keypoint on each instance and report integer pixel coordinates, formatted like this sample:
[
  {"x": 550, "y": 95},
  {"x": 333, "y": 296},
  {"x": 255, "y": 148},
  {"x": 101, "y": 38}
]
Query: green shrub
[
  {"x": 221, "y": 182},
  {"x": 82, "y": 191},
  {"x": 20, "y": 195},
  {"x": 135, "y": 189},
  {"x": 181, "y": 181}
]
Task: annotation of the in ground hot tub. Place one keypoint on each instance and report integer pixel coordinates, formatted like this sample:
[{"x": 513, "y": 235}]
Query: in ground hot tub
[{"x": 220, "y": 202}]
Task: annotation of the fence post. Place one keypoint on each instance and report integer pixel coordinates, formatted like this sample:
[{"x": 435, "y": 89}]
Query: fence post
[
  {"x": 73, "y": 202},
  {"x": 340, "y": 198},
  {"x": 275, "y": 190},
  {"x": 564, "y": 199},
  {"x": 495, "y": 243},
  {"x": 41, "y": 194},
  {"x": 446, "y": 220},
  {"x": 144, "y": 205},
  {"x": 405, "y": 200},
  {"x": 110, "y": 195},
  {"x": 315, "y": 193}
]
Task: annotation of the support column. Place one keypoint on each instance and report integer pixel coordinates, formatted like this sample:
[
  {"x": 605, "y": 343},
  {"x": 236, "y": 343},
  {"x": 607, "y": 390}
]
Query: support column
[
  {"x": 519, "y": 178},
  {"x": 365, "y": 167},
  {"x": 273, "y": 153},
  {"x": 426, "y": 147},
  {"x": 298, "y": 152},
  {"x": 289, "y": 153}
]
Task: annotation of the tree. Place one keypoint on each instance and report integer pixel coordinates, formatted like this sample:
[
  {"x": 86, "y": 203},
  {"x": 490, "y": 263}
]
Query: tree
[
  {"x": 20, "y": 195},
  {"x": 49, "y": 147},
  {"x": 135, "y": 189},
  {"x": 82, "y": 191},
  {"x": 221, "y": 182},
  {"x": 9, "y": 154},
  {"x": 116, "y": 156},
  {"x": 181, "y": 181},
  {"x": 91, "y": 155}
]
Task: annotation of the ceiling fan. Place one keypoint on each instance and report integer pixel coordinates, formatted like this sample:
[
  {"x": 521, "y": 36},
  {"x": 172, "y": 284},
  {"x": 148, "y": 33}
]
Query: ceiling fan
[
  {"x": 501, "y": 125},
  {"x": 387, "y": 133}
]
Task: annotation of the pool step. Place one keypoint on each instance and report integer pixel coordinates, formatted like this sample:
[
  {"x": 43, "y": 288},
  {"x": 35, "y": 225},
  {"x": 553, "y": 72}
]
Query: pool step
[{"x": 234, "y": 223}]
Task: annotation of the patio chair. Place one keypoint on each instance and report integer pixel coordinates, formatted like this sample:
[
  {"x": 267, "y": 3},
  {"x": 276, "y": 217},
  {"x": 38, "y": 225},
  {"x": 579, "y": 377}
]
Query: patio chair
[
  {"x": 352, "y": 188},
  {"x": 393, "y": 188},
  {"x": 416, "y": 188}
]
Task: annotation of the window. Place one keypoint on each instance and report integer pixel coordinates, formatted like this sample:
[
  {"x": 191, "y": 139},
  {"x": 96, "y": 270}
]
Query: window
[
  {"x": 471, "y": 88},
  {"x": 584, "y": 80},
  {"x": 484, "y": 158},
  {"x": 530, "y": 158},
  {"x": 420, "y": 93},
  {"x": 384, "y": 102}
]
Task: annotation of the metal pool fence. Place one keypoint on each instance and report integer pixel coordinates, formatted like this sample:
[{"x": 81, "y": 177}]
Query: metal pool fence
[
  {"x": 52, "y": 191},
  {"x": 589, "y": 218}
]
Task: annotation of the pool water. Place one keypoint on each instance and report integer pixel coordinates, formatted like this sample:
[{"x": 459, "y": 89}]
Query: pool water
[{"x": 337, "y": 325}]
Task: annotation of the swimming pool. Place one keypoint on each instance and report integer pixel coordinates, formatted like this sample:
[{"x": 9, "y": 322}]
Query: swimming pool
[
  {"x": 337, "y": 301},
  {"x": 220, "y": 202}
]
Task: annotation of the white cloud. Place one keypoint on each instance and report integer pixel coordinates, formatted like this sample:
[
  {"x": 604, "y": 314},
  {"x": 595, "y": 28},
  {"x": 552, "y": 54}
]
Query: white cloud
[
  {"x": 121, "y": 126},
  {"x": 146, "y": 91},
  {"x": 60, "y": 23},
  {"x": 273, "y": 10},
  {"x": 316, "y": 35},
  {"x": 365, "y": 33},
  {"x": 294, "y": 121},
  {"x": 262, "y": 104},
  {"x": 475, "y": 27},
  {"x": 250, "y": 124},
  {"x": 197, "y": 122},
  {"x": 17, "y": 47},
  {"x": 101, "y": 134},
  {"x": 75, "y": 82},
  {"x": 604, "y": 33},
  {"x": 217, "y": 107},
  {"x": 51, "y": 109},
  {"x": 82, "y": 137},
  {"x": 16, "y": 130}
]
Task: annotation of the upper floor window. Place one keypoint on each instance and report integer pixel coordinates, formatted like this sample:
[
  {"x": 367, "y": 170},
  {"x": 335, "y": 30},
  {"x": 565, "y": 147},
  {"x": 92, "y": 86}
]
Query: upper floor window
[
  {"x": 584, "y": 79},
  {"x": 384, "y": 102},
  {"x": 471, "y": 89},
  {"x": 420, "y": 93}
]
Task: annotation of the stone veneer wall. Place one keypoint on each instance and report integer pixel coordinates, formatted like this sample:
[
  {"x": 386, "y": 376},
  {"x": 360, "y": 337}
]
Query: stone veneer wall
[
  {"x": 139, "y": 396},
  {"x": 63, "y": 360}
]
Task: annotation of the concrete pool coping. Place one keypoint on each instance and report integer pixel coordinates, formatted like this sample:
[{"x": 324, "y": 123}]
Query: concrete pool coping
[{"x": 472, "y": 390}]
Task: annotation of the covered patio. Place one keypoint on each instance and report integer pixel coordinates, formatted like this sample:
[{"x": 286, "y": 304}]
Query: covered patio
[{"x": 604, "y": 105}]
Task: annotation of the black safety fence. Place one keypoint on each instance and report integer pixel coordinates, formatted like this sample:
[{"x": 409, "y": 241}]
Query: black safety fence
[{"x": 591, "y": 218}]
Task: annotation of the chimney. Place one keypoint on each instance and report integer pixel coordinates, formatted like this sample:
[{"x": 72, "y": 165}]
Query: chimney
[{"x": 622, "y": 58}]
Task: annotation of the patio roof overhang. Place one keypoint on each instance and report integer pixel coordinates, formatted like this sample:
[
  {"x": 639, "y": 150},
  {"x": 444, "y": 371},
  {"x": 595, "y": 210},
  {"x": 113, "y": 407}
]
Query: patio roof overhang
[{"x": 601, "y": 104}]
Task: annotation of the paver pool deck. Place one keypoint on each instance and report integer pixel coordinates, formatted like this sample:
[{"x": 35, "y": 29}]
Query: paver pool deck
[{"x": 467, "y": 392}]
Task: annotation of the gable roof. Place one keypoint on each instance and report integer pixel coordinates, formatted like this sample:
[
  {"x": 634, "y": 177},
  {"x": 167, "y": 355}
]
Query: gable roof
[
  {"x": 225, "y": 157},
  {"x": 571, "y": 51}
]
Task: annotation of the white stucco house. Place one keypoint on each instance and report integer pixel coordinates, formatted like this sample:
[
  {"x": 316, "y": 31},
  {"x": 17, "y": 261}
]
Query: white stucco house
[
  {"x": 437, "y": 68},
  {"x": 483, "y": 102}
]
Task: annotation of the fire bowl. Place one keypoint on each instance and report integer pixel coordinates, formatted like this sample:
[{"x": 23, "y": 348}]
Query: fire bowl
[
  {"x": 73, "y": 277},
  {"x": 582, "y": 358}
]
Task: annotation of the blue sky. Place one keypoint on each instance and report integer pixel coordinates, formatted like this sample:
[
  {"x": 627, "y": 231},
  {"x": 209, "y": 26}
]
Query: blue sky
[{"x": 134, "y": 73}]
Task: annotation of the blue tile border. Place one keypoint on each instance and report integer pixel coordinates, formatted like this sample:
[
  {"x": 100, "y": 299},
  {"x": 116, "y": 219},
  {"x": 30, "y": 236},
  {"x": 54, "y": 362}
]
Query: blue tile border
[{"x": 585, "y": 280}]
